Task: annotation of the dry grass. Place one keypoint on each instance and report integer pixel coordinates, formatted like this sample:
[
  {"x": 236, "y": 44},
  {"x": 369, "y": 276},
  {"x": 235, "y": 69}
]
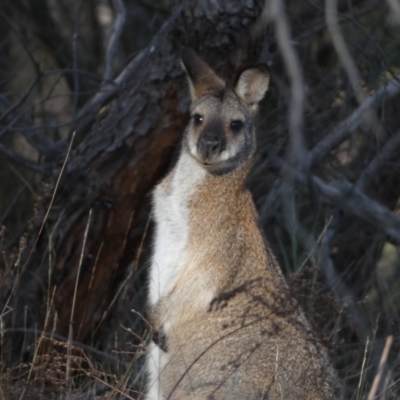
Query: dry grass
[{"x": 56, "y": 367}]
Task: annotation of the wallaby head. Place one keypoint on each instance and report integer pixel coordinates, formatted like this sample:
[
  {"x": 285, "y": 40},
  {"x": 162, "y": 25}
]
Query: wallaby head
[{"x": 221, "y": 135}]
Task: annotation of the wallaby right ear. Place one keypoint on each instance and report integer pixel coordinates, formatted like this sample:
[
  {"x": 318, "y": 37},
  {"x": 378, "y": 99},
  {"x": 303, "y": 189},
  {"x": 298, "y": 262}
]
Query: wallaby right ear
[
  {"x": 252, "y": 84},
  {"x": 202, "y": 78}
]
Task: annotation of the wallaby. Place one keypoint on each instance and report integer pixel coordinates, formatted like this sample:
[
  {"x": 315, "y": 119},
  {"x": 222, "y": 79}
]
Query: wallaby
[{"x": 225, "y": 324}]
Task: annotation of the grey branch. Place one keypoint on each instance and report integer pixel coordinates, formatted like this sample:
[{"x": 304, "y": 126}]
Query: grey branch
[
  {"x": 343, "y": 19},
  {"x": 342, "y": 195},
  {"x": 346, "y": 196},
  {"x": 297, "y": 150},
  {"x": 13, "y": 107},
  {"x": 75, "y": 46},
  {"x": 320, "y": 254},
  {"x": 353, "y": 121},
  {"x": 110, "y": 89},
  {"x": 22, "y": 160},
  {"x": 114, "y": 38},
  {"x": 15, "y": 116},
  {"x": 23, "y": 42},
  {"x": 56, "y": 336},
  {"x": 349, "y": 64},
  {"x": 390, "y": 148},
  {"x": 394, "y": 6},
  {"x": 342, "y": 50},
  {"x": 11, "y": 205}
]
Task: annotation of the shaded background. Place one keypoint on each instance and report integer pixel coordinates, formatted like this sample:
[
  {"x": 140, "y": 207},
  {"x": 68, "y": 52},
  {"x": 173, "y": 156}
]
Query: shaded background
[{"x": 93, "y": 103}]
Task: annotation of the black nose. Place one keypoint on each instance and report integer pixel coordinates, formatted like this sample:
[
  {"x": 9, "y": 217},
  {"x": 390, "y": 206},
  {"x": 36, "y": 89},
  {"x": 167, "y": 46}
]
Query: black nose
[{"x": 209, "y": 145}]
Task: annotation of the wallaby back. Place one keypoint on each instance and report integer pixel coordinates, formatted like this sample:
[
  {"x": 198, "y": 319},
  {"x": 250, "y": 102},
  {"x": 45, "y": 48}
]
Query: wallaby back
[{"x": 225, "y": 324}]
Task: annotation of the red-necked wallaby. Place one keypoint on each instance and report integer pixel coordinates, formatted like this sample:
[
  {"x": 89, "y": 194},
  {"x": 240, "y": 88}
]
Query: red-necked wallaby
[{"x": 225, "y": 324}]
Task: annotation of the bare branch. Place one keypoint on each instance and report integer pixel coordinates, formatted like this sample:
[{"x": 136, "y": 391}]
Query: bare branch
[
  {"x": 32, "y": 134},
  {"x": 22, "y": 160},
  {"x": 342, "y": 195},
  {"x": 296, "y": 150},
  {"x": 56, "y": 336},
  {"x": 75, "y": 53},
  {"x": 381, "y": 368},
  {"x": 320, "y": 254},
  {"x": 11, "y": 205},
  {"x": 348, "y": 63},
  {"x": 114, "y": 38},
  {"x": 344, "y": 18},
  {"x": 23, "y": 42},
  {"x": 342, "y": 50},
  {"x": 352, "y": 122},
  {"x": 13, "y": 107},
  {"x": 394, "y": 6},
  {"x": 390, "y": 148},
  {"x": 109, "y": 90},
  {"x": 347, "y": 197}
]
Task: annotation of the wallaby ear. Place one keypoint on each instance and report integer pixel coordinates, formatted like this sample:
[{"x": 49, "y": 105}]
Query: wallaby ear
[
  {"x": 252, "y": 85},
  {"x": 202, "y": 78}
]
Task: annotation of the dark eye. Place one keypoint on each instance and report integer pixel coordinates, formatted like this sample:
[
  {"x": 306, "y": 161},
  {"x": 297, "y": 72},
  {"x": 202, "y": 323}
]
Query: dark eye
[
  {"x": 197, "y": 119},
  {"x": 236, "y": 126}
]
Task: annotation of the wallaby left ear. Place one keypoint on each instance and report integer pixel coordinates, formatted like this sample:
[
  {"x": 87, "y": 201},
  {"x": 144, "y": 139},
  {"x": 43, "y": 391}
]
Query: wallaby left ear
[
  {"x": 202, "y": 78},
  {"x": 252, "y": 85}
]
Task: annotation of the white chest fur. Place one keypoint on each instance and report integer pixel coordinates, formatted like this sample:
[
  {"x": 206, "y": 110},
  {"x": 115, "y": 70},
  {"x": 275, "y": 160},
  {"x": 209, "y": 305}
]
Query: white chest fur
[{"x": 171, "y": 216}]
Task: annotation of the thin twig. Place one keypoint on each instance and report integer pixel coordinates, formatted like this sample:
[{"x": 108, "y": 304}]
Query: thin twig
[
  {"x": 35, "y": 138},
  {"x": 297, "y": 152},
  {"x": 390, "y": 148},
  {"x": 349, "y": 64},
  {"x": 119, "y": 22},
  {"x": 33, "y": 166},
  {"x": 320, "y": 255},
  {"x": 26, "y": 181},
  {"x": 134, "y": 66},
  {"x": 345, "y": 196},
  {"x": 51, "y": 202},
  {"x": 315, "y": 243},
  {"x": 71, "y": 320},
  {"x": 53, "y": 335},
  {"x": 342, "y": 50},
  {"x": 344, "y": 18},
  {"x": 90, "y": 75},
  {"x": 11, "y": 205},
  {"x": 363, "y": 370},
  {"x": 382, "y": 362},
  {"x": 348, "y": 197},
  {"x": 75, "y": 53},
  {"x": 394, "y": 6},
  {"x": 35, "y": 63},
  {"x": 353, "y": 121},
  {"x": 131, "y": 271},
  {"x": 38, "y": 344},
  {"x": 92, "y": 393},
  {"x": 42, "y": 226},
  {"x": 21, "y": 99}
]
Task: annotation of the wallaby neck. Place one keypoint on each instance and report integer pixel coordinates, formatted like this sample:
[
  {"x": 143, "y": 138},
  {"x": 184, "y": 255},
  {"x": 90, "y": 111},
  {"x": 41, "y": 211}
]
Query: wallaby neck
[{"x": 189, "y": 174}]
